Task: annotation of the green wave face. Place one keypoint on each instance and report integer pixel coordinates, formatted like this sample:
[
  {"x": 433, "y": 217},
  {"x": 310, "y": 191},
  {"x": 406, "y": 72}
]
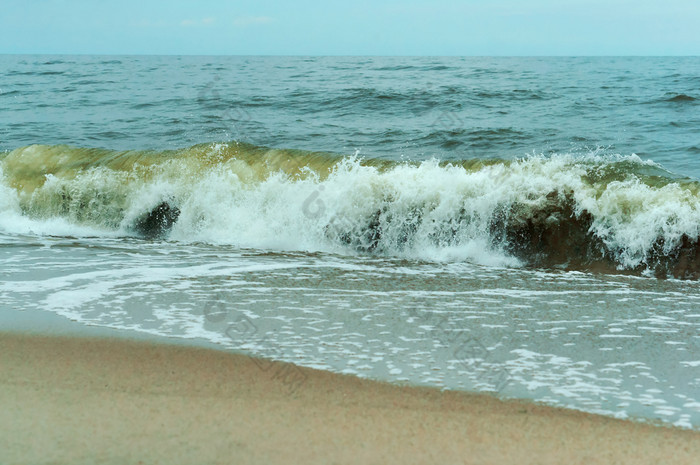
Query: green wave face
[{"x": 593, "y": 213}]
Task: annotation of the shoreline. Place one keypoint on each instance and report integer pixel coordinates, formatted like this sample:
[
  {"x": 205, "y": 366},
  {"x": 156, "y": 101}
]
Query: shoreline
[{"x": 87, "y": 400}]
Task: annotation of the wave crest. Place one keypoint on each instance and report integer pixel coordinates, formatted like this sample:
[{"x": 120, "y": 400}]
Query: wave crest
[{"x": 614, "y": 214}]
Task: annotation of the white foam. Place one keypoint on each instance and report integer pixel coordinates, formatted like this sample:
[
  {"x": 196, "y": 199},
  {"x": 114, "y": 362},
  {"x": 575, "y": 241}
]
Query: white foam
[{"x": 427, "y": 211}]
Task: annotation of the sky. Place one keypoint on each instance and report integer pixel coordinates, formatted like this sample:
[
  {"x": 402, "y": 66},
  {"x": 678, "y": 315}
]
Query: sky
[{"x": 351, "y": 27}]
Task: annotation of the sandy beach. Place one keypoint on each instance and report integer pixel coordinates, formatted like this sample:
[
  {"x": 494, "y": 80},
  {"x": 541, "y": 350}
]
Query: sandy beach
[{"x": 85, "y": 401}]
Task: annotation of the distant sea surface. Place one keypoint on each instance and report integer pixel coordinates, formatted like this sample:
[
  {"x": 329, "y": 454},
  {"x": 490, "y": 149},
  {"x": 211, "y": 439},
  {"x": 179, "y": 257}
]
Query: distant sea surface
[{"x": 522, "y": 226}]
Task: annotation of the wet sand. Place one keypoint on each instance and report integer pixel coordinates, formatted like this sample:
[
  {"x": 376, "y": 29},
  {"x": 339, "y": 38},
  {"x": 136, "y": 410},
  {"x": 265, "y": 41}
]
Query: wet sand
[{"x": 85, "y": 401}]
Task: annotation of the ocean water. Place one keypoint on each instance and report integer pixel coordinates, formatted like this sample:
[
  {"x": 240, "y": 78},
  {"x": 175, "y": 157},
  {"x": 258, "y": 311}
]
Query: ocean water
[{"x": 526, "y": 227}]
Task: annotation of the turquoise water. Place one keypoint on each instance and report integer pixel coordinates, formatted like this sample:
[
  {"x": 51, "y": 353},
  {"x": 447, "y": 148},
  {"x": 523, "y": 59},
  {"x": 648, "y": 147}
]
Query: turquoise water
[
  {"x": 417, "y": 108},
  {"x": 503, "y": 225}
]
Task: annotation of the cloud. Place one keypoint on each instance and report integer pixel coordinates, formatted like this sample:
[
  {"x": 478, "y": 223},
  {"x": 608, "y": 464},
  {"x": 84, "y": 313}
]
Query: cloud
[
  {"x": 197, "y": 22},
  {"x": 244, "y": 21}
]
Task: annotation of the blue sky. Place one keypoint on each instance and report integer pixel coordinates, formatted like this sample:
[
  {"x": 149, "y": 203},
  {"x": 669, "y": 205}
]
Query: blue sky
[{"x": 352, "y": 27}]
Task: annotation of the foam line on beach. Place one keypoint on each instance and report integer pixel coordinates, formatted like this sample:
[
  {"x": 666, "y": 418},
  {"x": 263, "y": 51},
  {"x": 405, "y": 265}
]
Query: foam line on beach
[{"x": 86, "y": 400}]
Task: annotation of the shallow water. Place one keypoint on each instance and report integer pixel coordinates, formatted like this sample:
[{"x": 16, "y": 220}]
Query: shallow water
[
  {"x": 618, "y": 345},
  {"x": 277, "y": 254}
]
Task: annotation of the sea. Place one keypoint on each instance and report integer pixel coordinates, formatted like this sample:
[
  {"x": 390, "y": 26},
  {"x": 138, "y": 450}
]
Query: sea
[{"x": 523, "y": 227}]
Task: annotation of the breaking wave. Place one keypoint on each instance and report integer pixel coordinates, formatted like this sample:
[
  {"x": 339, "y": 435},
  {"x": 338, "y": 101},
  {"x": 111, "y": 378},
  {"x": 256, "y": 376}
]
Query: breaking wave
[{"x": 601, "y": 213}]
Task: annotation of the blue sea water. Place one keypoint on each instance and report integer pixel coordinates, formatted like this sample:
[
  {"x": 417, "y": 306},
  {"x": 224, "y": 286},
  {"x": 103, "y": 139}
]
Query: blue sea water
[
  {"x": 388, "y": 107},
  {"x": 503, "y": 225}
]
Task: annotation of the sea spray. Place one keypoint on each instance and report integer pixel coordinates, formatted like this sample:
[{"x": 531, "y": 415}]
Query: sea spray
[{"x": 610, "y": 213}]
